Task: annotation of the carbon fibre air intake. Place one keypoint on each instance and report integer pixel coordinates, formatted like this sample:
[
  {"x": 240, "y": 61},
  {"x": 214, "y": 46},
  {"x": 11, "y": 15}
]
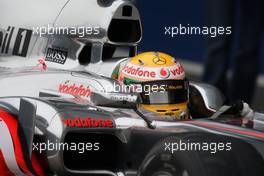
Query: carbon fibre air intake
[{"x": 26, "y": 126}]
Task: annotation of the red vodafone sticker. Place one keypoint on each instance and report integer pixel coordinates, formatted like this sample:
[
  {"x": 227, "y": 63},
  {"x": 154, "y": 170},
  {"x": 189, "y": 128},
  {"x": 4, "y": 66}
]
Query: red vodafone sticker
[
  {"x": 164, "y": 73},
  {"x": 75, "y": 89},
  {"x": 175, "y": 71},
  {"x": 139, "y": 71},
  {"x": 88, "y": 122}
]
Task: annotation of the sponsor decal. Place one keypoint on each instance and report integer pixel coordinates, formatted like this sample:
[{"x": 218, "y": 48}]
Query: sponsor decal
[
  {"x": 177, "y": 71},
  {"x": 122, "y": 97},
  {"x": 75, "y": 89},
  {"x": 88, "y": 122},
  {"x": 159, "y": 60},
  {"x": 21, "y": 38},
  {"x": 135, "y": 70},
  {"x": 42, "y": 64},
  {"x": 164, "y": 73},
  {"x": 121, "y": 77},
  {"x": 170, "y": 72},
  {"x": 56, "y": 55}
]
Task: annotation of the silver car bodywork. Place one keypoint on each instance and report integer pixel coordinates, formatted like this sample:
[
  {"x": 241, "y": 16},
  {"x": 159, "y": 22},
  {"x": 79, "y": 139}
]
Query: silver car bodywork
[
  {"x": 78, "y": 81},
  {"x": 27, "y": 33},
  {"x": 52, "y": 106}
]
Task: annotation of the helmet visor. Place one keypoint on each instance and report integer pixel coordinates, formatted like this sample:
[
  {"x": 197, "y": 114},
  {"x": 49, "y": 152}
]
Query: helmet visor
[{"x": 165, "y": 92}]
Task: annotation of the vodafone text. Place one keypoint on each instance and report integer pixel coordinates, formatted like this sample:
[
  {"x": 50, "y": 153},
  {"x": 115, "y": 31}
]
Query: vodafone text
[
  {"x": 87, "y": 122},
  {"x": 163, "y": 72},
  {"x": 74, "y": 89}
]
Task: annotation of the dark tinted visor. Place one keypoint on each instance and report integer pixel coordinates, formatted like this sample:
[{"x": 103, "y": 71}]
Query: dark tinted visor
[{"x": 165, "y": 92}]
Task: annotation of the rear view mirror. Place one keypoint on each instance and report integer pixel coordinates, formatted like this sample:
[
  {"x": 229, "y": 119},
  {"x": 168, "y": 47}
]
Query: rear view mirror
[{"x": 204, "y": 100}]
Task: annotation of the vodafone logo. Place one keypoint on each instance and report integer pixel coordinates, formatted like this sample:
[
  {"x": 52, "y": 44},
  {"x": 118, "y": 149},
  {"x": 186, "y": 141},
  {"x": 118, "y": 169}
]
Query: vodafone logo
[
  {"x": 164, "y": 73},
  {"x": 173, "y": 72},
  {"x": 139, "y": 71},
  {"x": 74, "y": 89},
  {"x": 88, "y": 122},
  {"x": 121, "y": 77},
  {"x": 177, "y": 71},
  {"x": 154, "y": 73}
]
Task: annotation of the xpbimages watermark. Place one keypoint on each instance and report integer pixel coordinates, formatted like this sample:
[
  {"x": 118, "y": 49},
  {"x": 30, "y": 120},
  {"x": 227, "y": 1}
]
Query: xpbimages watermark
[
  {"x": 78, "y": 31},
  {"x": 138, "y": 88},
  {"x": 80, "y": 147},
  {"x": 211, "y": 147},
  {"x": 210, "y": 31}
]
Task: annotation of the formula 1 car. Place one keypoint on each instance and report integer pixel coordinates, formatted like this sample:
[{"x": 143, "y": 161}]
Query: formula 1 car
[
  {"x": 67, "y": 127},
  {"x": 60, "y": 113}
]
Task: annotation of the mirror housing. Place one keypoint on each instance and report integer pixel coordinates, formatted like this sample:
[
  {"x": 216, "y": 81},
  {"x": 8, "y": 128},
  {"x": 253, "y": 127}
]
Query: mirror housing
[{"x": 204, "y": 100}]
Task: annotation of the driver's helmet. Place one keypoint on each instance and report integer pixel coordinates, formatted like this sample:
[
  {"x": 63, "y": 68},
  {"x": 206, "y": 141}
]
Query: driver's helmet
[{"x": 160, "y": 80}]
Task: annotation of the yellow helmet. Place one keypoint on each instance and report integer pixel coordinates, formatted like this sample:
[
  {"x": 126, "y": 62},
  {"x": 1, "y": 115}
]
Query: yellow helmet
[{"x": 160, "y": 80}]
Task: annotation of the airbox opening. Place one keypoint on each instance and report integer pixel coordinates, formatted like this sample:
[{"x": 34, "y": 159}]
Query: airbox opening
[{"x": 124, "y": 31}]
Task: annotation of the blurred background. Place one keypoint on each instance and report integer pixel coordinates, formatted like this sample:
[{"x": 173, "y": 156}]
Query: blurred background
[{"x": 194, "y": 50}]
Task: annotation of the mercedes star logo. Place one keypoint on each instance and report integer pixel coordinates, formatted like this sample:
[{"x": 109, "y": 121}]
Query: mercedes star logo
[{"x": 159, "y": 61}]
